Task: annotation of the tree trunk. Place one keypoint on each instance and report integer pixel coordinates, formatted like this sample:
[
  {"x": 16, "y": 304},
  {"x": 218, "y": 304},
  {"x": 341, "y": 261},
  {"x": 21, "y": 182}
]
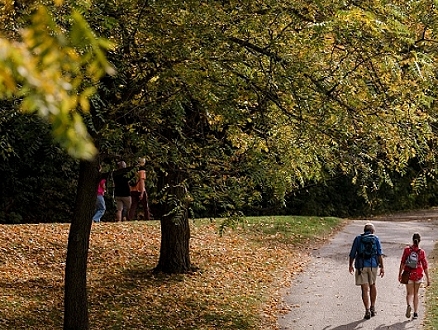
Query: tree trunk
[
  {"x": 175, "y": 230},
  {"x": 75, "y": 295}
]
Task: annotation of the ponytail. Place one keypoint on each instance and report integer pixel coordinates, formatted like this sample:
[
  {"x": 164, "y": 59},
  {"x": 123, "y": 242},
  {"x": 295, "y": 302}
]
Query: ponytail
[{"x": 416, "y": 239}]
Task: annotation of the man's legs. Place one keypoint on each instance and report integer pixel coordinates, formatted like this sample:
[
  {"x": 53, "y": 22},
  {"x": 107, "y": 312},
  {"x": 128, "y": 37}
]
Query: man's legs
[
  {"x": 366, "y": 300},
  {"x": 373, "y": 295},
  {"x": 366, "y": 295},
  {"x": 119, "y": 203},
  {"x": 127, "y": 201}
]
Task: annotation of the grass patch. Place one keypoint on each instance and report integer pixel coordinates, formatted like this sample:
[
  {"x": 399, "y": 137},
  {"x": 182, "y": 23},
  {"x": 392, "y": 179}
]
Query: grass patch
[
  {"x": 295, "y": 230},
  {"x": 431, "y": 319},
  {"x": 236, "y": 287}
]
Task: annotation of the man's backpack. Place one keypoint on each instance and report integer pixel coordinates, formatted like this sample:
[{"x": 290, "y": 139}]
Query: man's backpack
[
  {"x": 367, "y": 246},
  {"x": 412, "y": 259}
]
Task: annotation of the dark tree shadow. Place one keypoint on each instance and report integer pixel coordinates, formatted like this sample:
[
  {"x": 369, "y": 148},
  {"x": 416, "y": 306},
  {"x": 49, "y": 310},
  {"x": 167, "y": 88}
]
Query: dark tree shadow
[{"x": 353, "y": 325}]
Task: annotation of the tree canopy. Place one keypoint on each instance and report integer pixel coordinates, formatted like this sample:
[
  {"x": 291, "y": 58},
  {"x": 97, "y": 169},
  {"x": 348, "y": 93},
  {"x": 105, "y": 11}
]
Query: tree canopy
[
  {"x": 252, "y": 94},
  {"x": 287, "y": 92},
  {"x": 229, "y": 101},
  {"x": 52, "y": 70}
]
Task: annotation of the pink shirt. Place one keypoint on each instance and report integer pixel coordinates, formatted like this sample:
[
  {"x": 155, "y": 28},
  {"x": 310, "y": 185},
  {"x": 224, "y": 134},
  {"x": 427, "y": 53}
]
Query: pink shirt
[
  {"x": 101, "y": 187},
  {"x": 416, "y": 273}
]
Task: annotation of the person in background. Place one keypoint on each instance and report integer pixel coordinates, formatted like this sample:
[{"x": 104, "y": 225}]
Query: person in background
[
  {"x": 139, "y": 193},
  {"x": 416, "y": 276},
  {"x": 122, "y": 193},
  {"x": 100, "y": 201},
  {"x": 366, "y": 269}
]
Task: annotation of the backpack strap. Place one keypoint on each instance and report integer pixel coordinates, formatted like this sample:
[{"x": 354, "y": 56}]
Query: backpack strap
[{"x": 412, "y": 249}]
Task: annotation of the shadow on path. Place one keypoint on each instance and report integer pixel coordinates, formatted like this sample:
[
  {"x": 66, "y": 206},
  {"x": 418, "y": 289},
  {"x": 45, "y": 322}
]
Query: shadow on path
[
  {"x": 324, "y": 296},
  {"x": 358, "y": 325}
]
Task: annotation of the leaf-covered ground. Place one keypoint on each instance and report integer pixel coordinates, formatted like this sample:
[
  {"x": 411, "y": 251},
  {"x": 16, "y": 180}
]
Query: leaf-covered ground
[{"x": 237, "y": 285}]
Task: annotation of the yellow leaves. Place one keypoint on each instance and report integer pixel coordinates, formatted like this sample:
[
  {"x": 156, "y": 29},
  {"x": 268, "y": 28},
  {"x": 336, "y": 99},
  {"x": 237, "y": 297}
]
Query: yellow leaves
[
  {"x": 238, "y": 275},
  {"x": 83, "y": 98},
  {"x": 7, "y": 79},
  {"x": 49, "y": 70}
]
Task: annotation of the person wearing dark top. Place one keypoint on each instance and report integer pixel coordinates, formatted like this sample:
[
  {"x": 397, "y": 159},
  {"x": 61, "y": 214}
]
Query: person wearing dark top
[
  {"x": 365, "y": 269},
  {"x": 122, "y": 191}
]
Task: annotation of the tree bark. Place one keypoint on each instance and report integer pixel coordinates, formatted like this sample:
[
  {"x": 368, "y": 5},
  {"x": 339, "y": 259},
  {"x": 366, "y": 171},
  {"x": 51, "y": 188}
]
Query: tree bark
[
  {"x": 75, "y": 295},
  {"x": 175, "y": 230}
]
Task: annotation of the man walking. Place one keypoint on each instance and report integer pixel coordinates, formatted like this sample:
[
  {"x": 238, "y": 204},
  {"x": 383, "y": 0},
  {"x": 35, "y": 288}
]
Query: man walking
[
  {"x": 122, "y": 192},
  {"x": 366, "y": 253}
]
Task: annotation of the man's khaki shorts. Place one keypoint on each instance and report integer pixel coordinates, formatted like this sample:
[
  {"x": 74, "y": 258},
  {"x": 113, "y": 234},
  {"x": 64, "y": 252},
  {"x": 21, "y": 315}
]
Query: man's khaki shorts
[{"x": 366, "y": 275}]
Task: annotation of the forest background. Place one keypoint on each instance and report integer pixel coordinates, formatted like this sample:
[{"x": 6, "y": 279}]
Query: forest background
[
  {"x": 40, "y": 181},
  {"x": 239, "y": 107},
  {"x": 255, "y": 108}
]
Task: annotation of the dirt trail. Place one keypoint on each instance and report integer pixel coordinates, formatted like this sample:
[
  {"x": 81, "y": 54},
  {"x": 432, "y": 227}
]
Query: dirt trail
[{"x": 324, "y": 296}]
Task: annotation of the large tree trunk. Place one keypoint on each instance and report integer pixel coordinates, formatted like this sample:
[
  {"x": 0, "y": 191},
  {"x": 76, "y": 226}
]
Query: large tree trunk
[
  {"x": 175, "y": 230},
  {"x": 75, "y": 299}
]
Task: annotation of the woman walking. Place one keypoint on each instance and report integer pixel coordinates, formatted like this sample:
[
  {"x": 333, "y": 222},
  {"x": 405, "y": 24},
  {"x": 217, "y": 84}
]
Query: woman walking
[
  {"x": 414, "y": 261},
  {"x": 100, "y": 201}
]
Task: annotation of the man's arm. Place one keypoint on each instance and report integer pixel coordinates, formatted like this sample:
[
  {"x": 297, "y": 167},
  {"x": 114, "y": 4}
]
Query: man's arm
[
  {"x": 352, "y": 256},
  {"x": 350, "y": 265},
  {"x": 380, "y": 258},
  {"x": 382, "y": 271}
]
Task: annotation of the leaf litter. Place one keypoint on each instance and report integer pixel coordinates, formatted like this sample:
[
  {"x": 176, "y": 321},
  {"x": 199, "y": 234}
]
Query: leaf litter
[{"x": 237, "y": 283}]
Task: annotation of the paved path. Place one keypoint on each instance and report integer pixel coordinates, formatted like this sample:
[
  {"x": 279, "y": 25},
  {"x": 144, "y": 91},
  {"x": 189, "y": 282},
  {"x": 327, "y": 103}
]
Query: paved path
[{"x": 324, "y": 296}]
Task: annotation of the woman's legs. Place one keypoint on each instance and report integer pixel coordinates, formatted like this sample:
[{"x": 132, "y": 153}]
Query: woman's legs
[
  {"x": 135, "y": 197},
  {"x": 409, "y": 298},
  {"x": 145, "y": 203},
  {"x": 100, "y": 208},
  {"x": 409, "y": 293},
  {"x": 416, "y": 287}
]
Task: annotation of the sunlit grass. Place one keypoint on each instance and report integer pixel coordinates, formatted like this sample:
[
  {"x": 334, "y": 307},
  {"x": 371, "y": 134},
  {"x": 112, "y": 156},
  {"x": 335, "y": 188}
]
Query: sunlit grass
[
  {"x": 295, "y": 229},
  {"x": 431, "y": 319}
]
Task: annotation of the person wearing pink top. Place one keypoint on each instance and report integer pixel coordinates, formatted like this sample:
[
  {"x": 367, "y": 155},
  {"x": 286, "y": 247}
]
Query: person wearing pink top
[
  {"x": 100, "y": 201},
  {"x": 416, "y": 274}
]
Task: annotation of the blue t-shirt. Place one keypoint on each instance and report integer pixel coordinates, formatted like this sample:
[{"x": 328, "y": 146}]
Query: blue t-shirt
[{"x": 373, "y": 261}]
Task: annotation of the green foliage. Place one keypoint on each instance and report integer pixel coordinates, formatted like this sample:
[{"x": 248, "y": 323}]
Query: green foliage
[
  {"x": 39, "y": 179},
  {"x": 336, "y": 197},
  {"x": 48, "y": 70},
  {"x": 250, "y": 102},
  {"x": 340, "y": 197}
]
